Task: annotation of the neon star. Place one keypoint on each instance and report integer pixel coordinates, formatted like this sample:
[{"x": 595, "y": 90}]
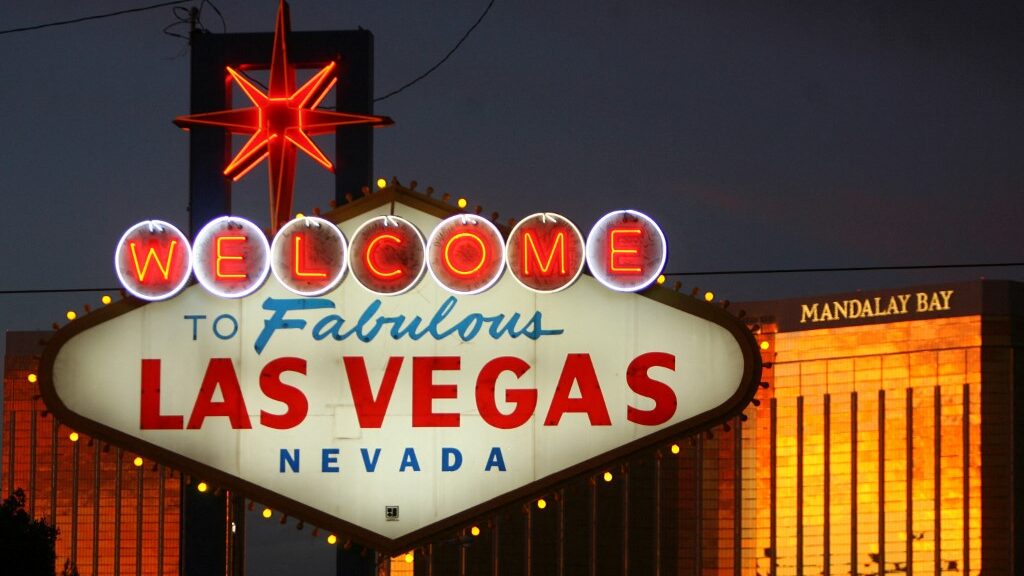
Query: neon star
[{"x": 280, "y": 121}]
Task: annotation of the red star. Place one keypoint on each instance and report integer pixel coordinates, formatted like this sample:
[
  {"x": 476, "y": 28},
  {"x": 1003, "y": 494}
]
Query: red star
[{"x": 280, "y": 120}]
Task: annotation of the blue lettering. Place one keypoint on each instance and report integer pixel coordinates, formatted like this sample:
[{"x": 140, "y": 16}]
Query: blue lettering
[
  {"x": 533, "y": 329},
  {"x": 398, "y": 331},
  {"x": 280, "y": 307},
  {"x": 364, "y": 319},
  {"x": 291, "y": 459},
  {"x": 497, "y": 329},
  {"x": 495, "y": 460},
  {"x": 369, "y": 325},
  {"x": 234, "y": 327},
  {"x": 195, "y": 318},
  {"x": 370, "y": 465},
  {"x": 470, "y": 326},
  {"x": 451, "y": 459},
  {"x": 409, "y": 461},
  {"x": 329, "y": 460},
  {"x": 446, "y": 308},
  {"x": 328, "y": 326}
]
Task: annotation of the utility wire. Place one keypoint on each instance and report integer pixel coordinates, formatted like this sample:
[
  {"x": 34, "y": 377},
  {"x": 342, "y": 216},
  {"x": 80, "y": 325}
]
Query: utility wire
[
  {"x": 443, "y": 60},
  {"x": 56, "y": 290},
  {"x": 175, "y": 2},
  {"x": 711, "y": 273},
  {"x": 93, "y": 17},
  {"x": 843, "y": 269}
]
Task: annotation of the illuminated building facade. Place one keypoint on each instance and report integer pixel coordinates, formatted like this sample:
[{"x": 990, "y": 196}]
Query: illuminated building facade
[
  {"x": 886, "y": 441},
  {"x": 883, "y": 443},
  {"x": 117, "y": 513}
]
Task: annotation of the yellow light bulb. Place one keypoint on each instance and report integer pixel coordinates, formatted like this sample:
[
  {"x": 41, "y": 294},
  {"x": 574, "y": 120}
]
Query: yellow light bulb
[
  {"x": 32, "y": 378},
  {"x": 709, "y": 296},
  {"x": 675, "y": 448},
  {"x": 382, "y": 183},
  {"x": 462, "y": 203},
  {"x": 73, "y": 436},
  {"x": 202, "y": 487},
  {"x": 475, "y": 530},
  {"x": 408, "y": 558},
  {"x": 267, "y": 512},
  {"x": 661, "y": 279},
  {"x": 105, "y": 299},
  {"x": 608, "y": 476},
  {"x": 542, "y": 504},
  {"x": 299, "y": 215},
  {"x": 71, "y": 315},
  {"x": 765, "y": 345},
  {"x": 332, "y": 539},
  {"x": 137, "y": 461}
]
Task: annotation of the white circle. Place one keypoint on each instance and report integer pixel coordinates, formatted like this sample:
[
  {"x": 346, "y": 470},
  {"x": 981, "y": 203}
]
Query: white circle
[
  {"x": 419, "y": 236},
  {"x": 597, "y": 270},
  {"x": 467, "y": 218},
  {"x": 579, "y": 237},
  {"x": 158, "y": 225},
  {"x": 204, "y": 238},
  {"x": 321, "y": 224}
]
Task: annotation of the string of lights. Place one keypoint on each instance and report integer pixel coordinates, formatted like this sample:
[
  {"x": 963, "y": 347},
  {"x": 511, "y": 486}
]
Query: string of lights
[
  {"x": 93, "y": 17},
  {"x": 695, "y": 273}
]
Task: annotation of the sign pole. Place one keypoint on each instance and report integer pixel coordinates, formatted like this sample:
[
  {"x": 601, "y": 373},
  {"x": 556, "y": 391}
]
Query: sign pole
[{"x": 207, "y": 518}]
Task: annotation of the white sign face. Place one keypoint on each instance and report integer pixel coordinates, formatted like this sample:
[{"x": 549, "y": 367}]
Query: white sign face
[{"x": 338, "y": 407}]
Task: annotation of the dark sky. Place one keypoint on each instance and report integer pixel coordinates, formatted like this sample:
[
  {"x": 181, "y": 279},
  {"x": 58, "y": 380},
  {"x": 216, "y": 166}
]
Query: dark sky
[{"x": 760, "y": 135}]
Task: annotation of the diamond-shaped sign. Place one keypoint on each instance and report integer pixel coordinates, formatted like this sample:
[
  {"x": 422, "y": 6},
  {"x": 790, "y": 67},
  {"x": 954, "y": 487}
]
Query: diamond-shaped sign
[{"x": 345, "y": 408}]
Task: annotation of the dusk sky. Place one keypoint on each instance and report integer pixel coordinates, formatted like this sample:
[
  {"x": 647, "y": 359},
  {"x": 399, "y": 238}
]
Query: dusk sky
[{"x": 760, "y": 135}]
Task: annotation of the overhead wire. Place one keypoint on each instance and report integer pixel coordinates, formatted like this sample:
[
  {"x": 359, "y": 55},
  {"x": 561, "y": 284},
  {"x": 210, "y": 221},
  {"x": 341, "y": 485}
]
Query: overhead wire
[
  {"x": 844, "y": 269},
  {"x": 696, "y": 273},
  {"x": 94, "y": 17},
  {"x": 192, "y": 17},
  {"x": 442, "y": 60}
]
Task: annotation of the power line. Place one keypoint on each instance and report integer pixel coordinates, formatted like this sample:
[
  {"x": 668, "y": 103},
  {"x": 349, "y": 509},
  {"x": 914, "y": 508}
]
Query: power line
[
  {"x": 697, "y": 273},
  {"x": 55, "y": 290},
  {"x": 175, "y": 2},
  {"x": 443, "y": 60},
  {"x": 843, "y": 269},
  {"x": 93, "y": 17}
]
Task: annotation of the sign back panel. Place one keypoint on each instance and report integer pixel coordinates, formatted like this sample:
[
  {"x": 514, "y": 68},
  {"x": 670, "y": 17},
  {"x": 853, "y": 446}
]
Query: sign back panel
[{"x": 393, "y": 417}]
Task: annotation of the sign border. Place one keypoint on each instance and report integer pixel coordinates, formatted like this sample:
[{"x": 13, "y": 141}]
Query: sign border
[{"x": 391, "y": 194}]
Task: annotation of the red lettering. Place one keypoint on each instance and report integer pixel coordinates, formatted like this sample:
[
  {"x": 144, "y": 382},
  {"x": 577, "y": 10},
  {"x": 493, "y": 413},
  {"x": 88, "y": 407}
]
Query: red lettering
[
  {"x": 297, "y": 406},
  {"x": 425, "y": 391},
  {"x": 304, "y": 262},
  {"x": 624, "y": 250},
  {"x": 220, "y": 373},
  {"x": 372, "y": 257},
  {"x": 369, "y": 410},
  {"x": 150, "y": 417},
  {"x": 525, "y": 400},
  {"x": 578, "y": 368},
  {"x": 662, "y": 394},
  {"x": 471, "y": 246},
  {"x": 142, "y": 270},
  {"x": 238, "y": 271},
  {"x": 530, "y": 247}
]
